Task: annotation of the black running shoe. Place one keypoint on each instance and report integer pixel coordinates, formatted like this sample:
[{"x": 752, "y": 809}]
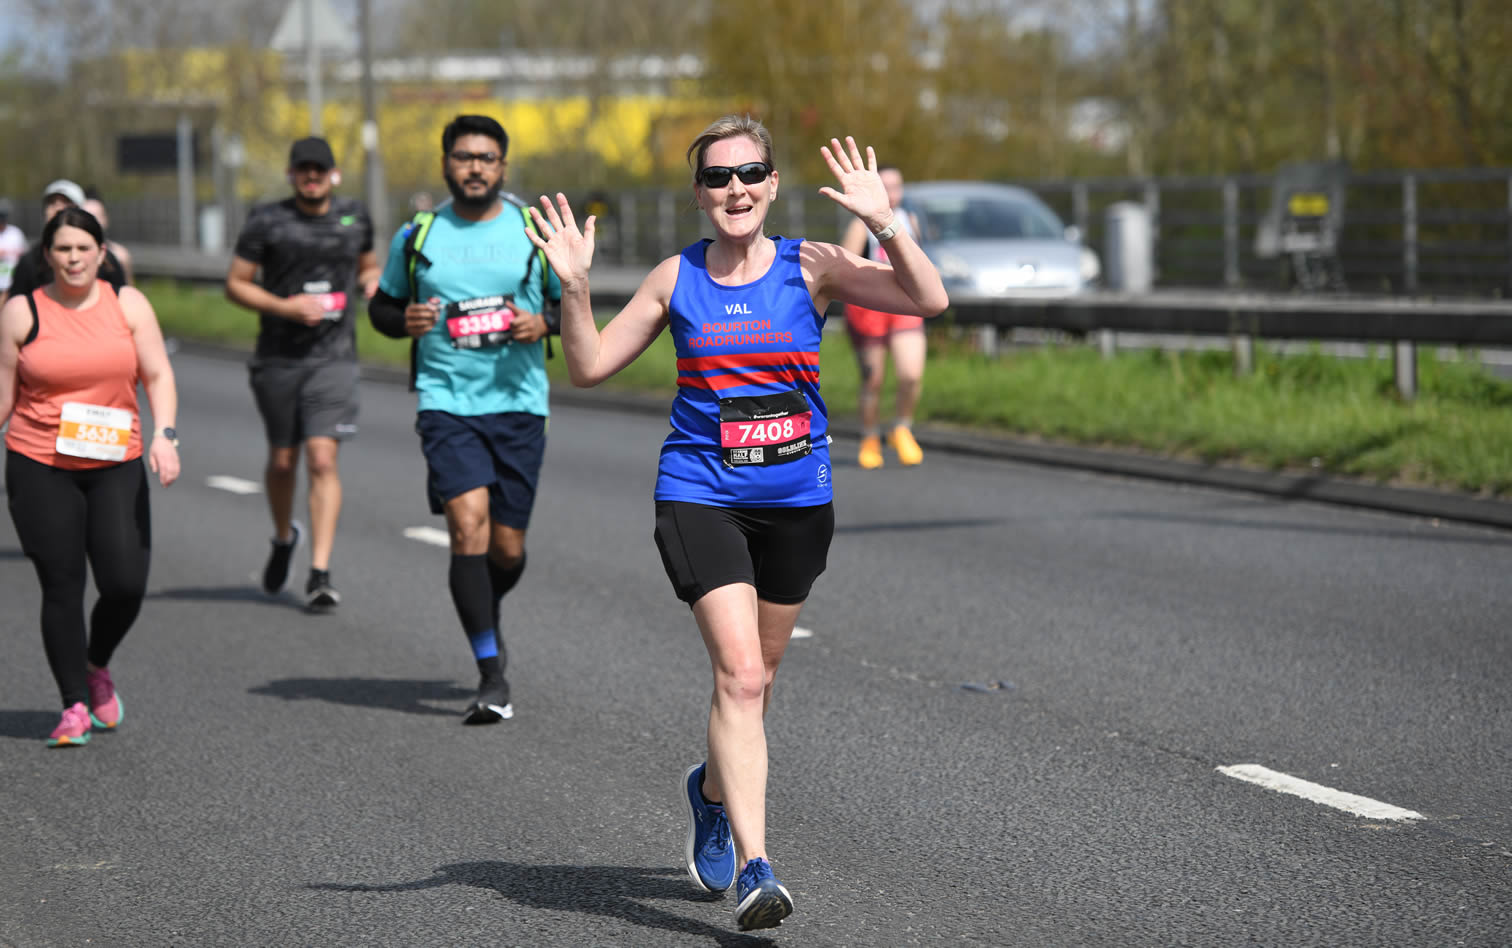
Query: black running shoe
[
  {"x": 320, "y": 595},
  {"x": 275, "y": 578},
  {"x": 492, "y": 705}
]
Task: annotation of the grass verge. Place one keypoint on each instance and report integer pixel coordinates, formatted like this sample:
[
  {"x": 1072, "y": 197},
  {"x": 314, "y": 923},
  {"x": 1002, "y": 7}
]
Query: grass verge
[{"x": 1308, "y": 411}]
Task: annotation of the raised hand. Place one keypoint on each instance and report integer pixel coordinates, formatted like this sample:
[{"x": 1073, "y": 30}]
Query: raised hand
[
  {"x": 863, "y": 193},
  {"x": 568, "y": 250}
]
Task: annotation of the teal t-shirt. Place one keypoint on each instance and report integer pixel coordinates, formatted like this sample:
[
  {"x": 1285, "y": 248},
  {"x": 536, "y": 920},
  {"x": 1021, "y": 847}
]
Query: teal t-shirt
[{"x": 470, "y": 260}]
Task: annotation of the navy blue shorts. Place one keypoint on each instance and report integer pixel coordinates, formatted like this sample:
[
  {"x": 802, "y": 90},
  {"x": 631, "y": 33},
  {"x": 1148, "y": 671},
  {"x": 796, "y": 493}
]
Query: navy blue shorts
[{"x": 500, "y": 451}]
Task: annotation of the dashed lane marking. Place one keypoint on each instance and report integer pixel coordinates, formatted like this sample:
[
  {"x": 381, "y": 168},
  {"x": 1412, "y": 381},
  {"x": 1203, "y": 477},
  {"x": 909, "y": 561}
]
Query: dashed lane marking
[
  {"x": 233, "y": 484},
  {"x": 429, "y": 535},
  {"x": 799, "y": 632},
  {"x": 1317, "y": 793}
]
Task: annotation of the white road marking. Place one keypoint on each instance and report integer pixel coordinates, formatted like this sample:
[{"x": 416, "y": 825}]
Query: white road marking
[
  {"x": 799, "y": 632},
  {"x": 429, "y": 535},
  {"x": 1317, "y": 793},
  {"x": 233, "y": 484}
]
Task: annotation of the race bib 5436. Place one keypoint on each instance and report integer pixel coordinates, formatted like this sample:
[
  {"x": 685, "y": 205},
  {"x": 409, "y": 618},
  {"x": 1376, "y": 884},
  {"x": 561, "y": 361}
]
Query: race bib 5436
[{"x": 94, "y": 431}]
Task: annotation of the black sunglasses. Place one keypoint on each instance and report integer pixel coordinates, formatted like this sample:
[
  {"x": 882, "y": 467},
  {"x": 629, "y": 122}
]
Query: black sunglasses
[{"x": 717, "y": 176}]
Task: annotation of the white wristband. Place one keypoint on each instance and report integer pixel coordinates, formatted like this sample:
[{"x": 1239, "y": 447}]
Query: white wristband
[{"x": 888, "y": 232}]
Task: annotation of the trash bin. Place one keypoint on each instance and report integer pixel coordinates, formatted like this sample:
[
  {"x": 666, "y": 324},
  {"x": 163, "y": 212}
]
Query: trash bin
[{"x": 1128, "y": 248}]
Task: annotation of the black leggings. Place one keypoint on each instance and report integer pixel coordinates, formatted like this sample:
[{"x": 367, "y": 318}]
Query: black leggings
[{"x": 62, "y": 517}]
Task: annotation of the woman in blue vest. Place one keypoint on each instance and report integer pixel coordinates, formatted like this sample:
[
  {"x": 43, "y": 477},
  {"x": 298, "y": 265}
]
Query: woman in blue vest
[{"x": 744, "y": 486}]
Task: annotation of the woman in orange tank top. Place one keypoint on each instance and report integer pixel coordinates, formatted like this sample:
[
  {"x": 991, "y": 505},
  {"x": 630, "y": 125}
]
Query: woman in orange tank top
[{"x": 71, "y": 354}]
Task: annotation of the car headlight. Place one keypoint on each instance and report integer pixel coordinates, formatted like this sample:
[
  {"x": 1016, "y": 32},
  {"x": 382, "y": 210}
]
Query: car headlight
[
  {"x": 953, "y": 268},
  {"x": 1091, "y": 267}
]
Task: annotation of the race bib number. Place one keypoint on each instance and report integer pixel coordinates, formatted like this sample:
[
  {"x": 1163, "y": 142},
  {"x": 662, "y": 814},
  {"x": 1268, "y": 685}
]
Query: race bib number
[
  {"x": 94, "y": 432},
  {"x": 764, "y": 429},
  {"x": 479, "y": 323},
  {"x": 333, "y": 302}
]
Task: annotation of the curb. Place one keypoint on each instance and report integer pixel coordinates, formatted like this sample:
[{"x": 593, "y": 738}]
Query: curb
[{"x": 1320, "y": 488}]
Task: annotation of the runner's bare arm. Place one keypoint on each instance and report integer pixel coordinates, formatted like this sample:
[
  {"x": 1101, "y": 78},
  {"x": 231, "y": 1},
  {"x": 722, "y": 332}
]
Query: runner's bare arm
[
  {"x": 369, "y": 270},
  {"x": 15, "y": 323},
  {"x": 242, "y": 289},
  {"x": 156, "y": 373},
  {"x": 910, "y": 286},
  {"x": 854, "y": 239}
]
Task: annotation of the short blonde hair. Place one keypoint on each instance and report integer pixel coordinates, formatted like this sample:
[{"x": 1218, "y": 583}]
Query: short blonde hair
[{"x": 729, "y": 126}]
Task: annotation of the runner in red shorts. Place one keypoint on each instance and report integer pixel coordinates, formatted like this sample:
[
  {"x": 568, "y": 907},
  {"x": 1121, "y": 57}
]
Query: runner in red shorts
[{"x": 873, "y": 335}]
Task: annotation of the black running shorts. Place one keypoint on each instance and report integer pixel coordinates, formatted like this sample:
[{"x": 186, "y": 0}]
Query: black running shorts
[
  {"x": 301, "y": 400},
  {"x": 779, "y": 550}
]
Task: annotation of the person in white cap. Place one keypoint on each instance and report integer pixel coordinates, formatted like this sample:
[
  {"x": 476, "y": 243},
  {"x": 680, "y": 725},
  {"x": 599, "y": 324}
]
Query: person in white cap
[{"x": 32, "y": 270}]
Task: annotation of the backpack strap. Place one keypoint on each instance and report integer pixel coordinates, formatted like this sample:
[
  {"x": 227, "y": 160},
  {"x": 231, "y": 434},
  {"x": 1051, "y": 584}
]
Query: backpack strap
[
  {"x": 415, "y": 233},
  {"x": 31, "y": 301}
]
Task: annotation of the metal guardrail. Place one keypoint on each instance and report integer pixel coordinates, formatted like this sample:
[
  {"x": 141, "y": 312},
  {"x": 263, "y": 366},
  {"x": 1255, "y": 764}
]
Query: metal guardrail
[{"x": 1402, "y": 322}]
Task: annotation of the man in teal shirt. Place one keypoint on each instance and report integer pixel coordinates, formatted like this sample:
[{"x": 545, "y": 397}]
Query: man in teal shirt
[{"x": 470, "y": 289}]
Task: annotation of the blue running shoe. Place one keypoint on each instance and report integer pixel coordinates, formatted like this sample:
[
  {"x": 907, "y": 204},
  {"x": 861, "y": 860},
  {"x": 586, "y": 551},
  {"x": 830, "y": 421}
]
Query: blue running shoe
[
  {"x": 764, "y": 902},
  {"x": 710, "y": 850}
]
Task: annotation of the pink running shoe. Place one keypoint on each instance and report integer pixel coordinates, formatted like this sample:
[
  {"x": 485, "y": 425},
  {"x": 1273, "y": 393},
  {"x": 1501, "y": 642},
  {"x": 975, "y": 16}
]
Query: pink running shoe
[
  {"x": 73, "y": 730},
  {"x": 104, "y": 704}
]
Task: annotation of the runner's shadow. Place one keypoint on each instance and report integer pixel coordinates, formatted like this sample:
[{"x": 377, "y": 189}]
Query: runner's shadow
[
  {"x": 388, "y": 694},
  {"x": 617, "y": 892},
  {"x": 27, "y": 725},
  {"x": 226, "y": 594},
  {"x": 900, "y": 526}
]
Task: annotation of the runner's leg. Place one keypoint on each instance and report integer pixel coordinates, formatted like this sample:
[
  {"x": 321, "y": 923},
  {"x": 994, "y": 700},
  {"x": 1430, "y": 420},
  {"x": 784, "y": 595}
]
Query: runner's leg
[
  {"x": 50, "y": 525},
  {"x": 871, "y": 356},
  {"x": 467, "y": 520},
  {"x": 325, "y": 498},
  {"x": 728, "y": 619},
  {"x": 119, "y": 543},
  {"x": 279, "y": 479},
  {"x": 908, "y": 352}
]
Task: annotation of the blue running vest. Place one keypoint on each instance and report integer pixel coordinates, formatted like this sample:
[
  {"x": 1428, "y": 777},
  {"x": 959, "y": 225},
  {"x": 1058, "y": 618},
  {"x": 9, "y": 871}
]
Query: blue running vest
[{"x": 750, "y": 345}]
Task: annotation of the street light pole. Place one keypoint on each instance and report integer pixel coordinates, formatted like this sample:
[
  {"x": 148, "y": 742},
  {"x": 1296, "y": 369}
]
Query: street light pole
[
  {"x": 312, "y": 67},
  {"x": 373, "y": 186}
]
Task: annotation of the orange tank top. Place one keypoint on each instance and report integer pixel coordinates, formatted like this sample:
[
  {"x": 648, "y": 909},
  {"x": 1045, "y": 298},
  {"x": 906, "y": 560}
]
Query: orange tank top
[{"x": 76, "y": 398}]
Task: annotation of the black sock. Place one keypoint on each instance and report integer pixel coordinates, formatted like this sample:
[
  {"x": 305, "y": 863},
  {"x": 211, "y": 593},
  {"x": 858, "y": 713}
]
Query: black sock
[
  {"x": 468, "y": 578},
  {"x": 490, "y": 669},
  {"x": 502, "y": 580}
]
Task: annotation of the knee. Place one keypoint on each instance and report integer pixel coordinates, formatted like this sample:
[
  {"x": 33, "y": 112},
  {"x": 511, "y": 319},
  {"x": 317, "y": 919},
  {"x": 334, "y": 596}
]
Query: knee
[
  {"x": 121, "y": 590},
  {"x": 470, "y": 532},
  {"x": 322, "y": 464},
  {"x": 743, "y": 683},
  {"x": 282, "y": 463},
  {"x": 123, "y": 584}
]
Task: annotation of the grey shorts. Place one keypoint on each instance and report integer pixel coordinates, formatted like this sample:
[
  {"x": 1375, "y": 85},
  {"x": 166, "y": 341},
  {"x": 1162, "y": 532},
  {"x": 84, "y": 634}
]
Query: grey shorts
[{"x": 300, "y": 400}]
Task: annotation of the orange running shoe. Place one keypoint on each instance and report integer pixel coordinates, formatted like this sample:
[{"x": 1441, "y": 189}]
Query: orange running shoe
[
  {"x": 902, "y": 441},
  {"x": 870, "y": 456}
]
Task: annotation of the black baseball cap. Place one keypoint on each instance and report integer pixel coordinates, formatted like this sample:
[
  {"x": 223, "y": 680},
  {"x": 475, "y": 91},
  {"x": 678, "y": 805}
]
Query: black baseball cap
[{"x": 311, "y": 151}]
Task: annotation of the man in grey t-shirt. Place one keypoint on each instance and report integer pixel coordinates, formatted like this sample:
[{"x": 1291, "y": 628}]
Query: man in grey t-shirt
[{"x": 315, "y": 251}]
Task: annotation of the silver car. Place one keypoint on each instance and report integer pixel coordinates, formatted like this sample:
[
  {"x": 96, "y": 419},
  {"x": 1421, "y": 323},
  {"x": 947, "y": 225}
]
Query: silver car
[{"x": 998, "y": 240}]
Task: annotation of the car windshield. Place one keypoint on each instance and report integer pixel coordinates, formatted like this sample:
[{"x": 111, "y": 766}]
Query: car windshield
[{"x": 984, "y": 218}]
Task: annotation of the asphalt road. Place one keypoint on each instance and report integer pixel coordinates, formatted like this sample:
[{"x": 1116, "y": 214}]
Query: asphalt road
[{"x": 283, "y": 779}]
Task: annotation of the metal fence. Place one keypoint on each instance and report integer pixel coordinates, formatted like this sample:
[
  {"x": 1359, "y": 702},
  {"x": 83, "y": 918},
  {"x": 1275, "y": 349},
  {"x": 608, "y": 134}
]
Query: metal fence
[{"x": 1437, "y": 233}]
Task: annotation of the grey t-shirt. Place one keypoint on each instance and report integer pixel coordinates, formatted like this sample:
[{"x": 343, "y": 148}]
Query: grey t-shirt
[{"x": 303, "y": 254}]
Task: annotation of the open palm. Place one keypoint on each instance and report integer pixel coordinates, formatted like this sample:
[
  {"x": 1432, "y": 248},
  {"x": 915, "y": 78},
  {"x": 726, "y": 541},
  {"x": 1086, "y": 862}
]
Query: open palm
[
  {"x": 862, "y": 192},
  {"x": 567, "y": 249}
]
